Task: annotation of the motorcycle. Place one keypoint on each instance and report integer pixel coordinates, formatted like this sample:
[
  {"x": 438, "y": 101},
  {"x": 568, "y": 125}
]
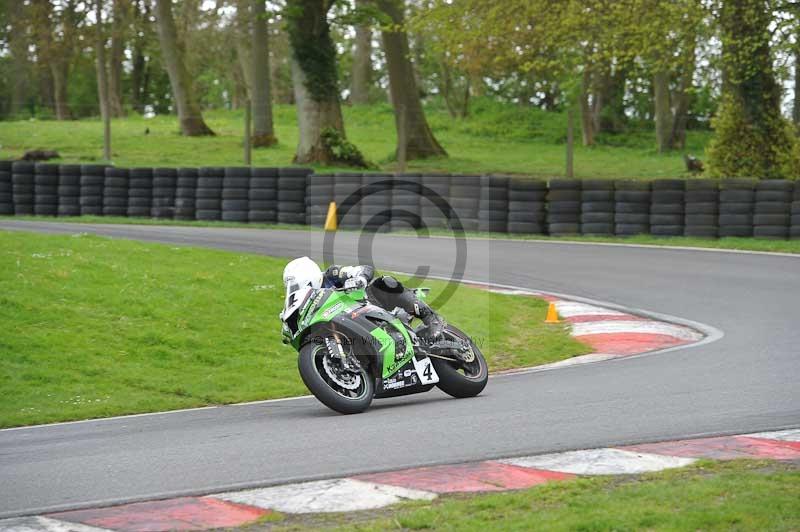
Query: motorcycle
[{"x": 351, "y": 351}]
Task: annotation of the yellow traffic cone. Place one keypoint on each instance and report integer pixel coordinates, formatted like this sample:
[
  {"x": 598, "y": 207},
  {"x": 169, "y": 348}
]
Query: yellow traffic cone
[
  {"x": 552, "y": 314},
  {"x": 330, "y": 220}
]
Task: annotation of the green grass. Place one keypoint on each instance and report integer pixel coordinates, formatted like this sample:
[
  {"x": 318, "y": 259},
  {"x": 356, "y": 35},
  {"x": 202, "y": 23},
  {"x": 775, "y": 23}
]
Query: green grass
[
  {"x": 494, "y": 138},
  {"x": 735, "y": 495},
  {"x": 732, "y": 243},
  {"x": 94, "y": 327}
]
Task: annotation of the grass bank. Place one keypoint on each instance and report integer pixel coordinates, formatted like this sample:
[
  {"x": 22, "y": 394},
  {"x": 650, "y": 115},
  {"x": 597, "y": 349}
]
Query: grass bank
[
  {"x": 494, "y": 138},
  {"x": 731, "y": 243},
  {"x": 736, "y": 495},
  {"x": 94, "y": 327}
]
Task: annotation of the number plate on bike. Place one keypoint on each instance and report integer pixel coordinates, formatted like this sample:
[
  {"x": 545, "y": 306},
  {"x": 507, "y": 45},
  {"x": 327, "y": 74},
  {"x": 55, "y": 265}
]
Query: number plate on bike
[{"x": 425, "y": 371}]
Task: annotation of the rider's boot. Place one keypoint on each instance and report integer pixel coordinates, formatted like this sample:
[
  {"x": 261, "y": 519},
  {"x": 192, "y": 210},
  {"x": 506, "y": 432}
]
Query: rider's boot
[{"x": 434, "y": 324}]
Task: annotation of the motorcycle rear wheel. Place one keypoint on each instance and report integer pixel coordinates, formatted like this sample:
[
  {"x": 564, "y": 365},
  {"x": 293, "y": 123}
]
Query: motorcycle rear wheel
[
  {"x": 329, "y": 393},
  {"x": 464, "y": 379}
]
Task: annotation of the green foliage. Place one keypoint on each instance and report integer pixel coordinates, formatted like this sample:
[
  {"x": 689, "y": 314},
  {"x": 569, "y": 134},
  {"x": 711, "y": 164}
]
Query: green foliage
[
  {"x": 312, "y": 46},
  {"x": 343, "y": 151}
]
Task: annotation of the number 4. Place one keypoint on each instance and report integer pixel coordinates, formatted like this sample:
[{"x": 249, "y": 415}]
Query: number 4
[{"x": 427, "y": 371}]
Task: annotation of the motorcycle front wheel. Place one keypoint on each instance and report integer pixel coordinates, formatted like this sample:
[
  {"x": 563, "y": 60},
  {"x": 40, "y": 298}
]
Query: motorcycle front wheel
[
  {"x": 463, "y": 378},
  {"x": 344, "y": 393}
]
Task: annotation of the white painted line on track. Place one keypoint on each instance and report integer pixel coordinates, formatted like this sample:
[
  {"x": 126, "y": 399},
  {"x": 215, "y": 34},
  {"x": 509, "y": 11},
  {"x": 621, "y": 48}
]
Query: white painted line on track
[
  {"x": 571, "y": 309},
  {"x": 338, "y": 495},
  {"x": 783, "y": 435},
  {"x": 600, "y": 462},
  {"x": 639, "y": 327},
  {"x": 43, "y": 524}
]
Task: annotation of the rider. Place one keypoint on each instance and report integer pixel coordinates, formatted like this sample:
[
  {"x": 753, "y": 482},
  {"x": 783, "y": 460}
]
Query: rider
[{"x": 385, "y": 291}]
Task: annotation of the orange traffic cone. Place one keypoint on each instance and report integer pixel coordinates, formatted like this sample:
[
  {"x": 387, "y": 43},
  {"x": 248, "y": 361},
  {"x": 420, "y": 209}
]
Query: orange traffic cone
[
  {"x": 552, "y": 314},
  {"x": 330, "y": 220}
]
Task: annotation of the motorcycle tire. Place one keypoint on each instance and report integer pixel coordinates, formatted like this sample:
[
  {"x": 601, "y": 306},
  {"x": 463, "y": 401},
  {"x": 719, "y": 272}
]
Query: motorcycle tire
[
  {"x": 317, "y": 385},
  {"x": 455, "y": 383}
]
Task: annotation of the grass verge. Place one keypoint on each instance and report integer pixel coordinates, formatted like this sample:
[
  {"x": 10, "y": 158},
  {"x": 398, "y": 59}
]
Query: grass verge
[
  {"x": 734, "y": 495},
  {"x": 94, "y": 327},
  {"x": 741, "y": 244}
]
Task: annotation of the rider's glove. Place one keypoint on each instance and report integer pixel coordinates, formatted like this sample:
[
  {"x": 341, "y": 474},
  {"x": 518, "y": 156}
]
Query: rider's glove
[{"x": 355, "y": 283}]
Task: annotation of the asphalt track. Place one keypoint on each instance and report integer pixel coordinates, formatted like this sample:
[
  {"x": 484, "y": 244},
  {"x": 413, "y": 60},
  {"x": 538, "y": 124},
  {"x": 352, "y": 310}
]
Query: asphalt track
[{"x": 745, "y": 381}]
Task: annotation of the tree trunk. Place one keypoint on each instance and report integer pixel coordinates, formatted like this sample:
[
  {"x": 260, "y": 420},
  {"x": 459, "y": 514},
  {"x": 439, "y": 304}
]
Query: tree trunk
[
  {"x": 587, "y": 125},
  {"x": 115, "y": 62},
  {"x": 313, "y": 117},
  {"x": 100, "y": 63},
  {"x": 796, "y": 106},
  {"x": 412, "y": 127},
  {"x": 263, "y": 129},
  {"x": 362, "y": 66},
  {"x": 663, "y": 110},
  {"x": 18, "y": 46},
  {"x": 682, "y": 98},
  {"x": 189, "y": 113},
  {"x": 60, "y": 72}
]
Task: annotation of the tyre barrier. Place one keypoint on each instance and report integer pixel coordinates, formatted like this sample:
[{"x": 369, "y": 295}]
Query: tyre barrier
[
  {"x": 405, "y": 205},
  {"x": 667, "y": 212},
  {"x": 115, "y": 192},
  {"x": 292, "y": 195},
  {"x": 597, "y": 207},
  {"x": 262, "y": 198},
  {"x": 433, "y": 189},
  {"x": 772, "y": 209},
  {"x": 140, "y": 192},
  {"x": 736, "y": 203},
  {"x": 93, "y": 177},
  {"x": 6, "y": 189},
  {"x": 319, "y": 195},
  {"x": 376, "y": 202},
  {"x": 631, "y": 207},
  {"x": 493, "y": 204},
  {"x": 22, "y": 176},
  {"x": 165, "y": 182},
  {"x": 208, "y": 195},
  {"x": 236, "y": 194},
  {"x": 564, "y": 207},
  {"x": 701, "y": 207},
  {"x": 526, "y": 206},
  {"x": 464, "y": 199},
  {"x": 794, "y": 230},
  {"x": 45, "y": 189},
  {"x": 185, "y": 191},
  {"x": 69, "y": 190},
  {"x": 347, "y": 194}
]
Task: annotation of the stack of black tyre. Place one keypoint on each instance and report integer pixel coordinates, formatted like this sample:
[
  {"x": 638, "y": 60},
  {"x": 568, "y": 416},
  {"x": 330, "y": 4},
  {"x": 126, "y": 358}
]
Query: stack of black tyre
[
  {"x": 140, "y": 192},
  {"x": 69, "y": 190},
  {"x": 667, "y": 209},
  {"x": 701, "y": 205},
  {"x": 263, "y": 195},
  {"x": 631, "y": 207},
  {"x": 347, "y": 194},
  {"x": 434, "y": 209},
  {"x": 772, "y": 210},
  {"x": 564, "y": 207},
  {"x": 292, "y": 195},
  {"x": 493, "y": 205},
  {"x": 93, "y": 177},
  {"x": 208, "y": 202},
  {"x": 376, "y": 202},
  {"x": 526, "y": 211},
  {"x": 165, "y": 182},
  {"x": 794, "y": 230},
  {"x": 185, "y": 190},
  {"x": 6, "y": 194},
  {"x": 464, "y": 199},
  {"x": 597, "y": 207},
  {"x": 46, "y": 190},
  {"x": 406, "y": 202},
  {"x": 736, "y": 202},
  {"x": 236, "y": 194},
  {"x": 22, "y": 187},
  {"x": 319, "y": 195},
  {"x": 115, "y": 192}
]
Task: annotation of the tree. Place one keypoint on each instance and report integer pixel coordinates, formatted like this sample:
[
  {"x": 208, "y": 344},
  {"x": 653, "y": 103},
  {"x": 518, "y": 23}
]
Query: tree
[
  {"x": 188, "y": 107},
  {"x": 316, "y": 86},
  {"x": 414, "y": 136},
  {"x": 115, "y": 59},
  {"x": 102, "y": 77},
  {"x": 18, "y": 47},
  {"x": 263, "y": 129},
  {"x": 752, "y": 138},
  {"x": 361, "y": 71}
]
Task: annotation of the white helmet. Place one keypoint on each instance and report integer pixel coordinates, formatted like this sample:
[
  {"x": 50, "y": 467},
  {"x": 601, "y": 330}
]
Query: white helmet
[{"x": 302, "y": 273}]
